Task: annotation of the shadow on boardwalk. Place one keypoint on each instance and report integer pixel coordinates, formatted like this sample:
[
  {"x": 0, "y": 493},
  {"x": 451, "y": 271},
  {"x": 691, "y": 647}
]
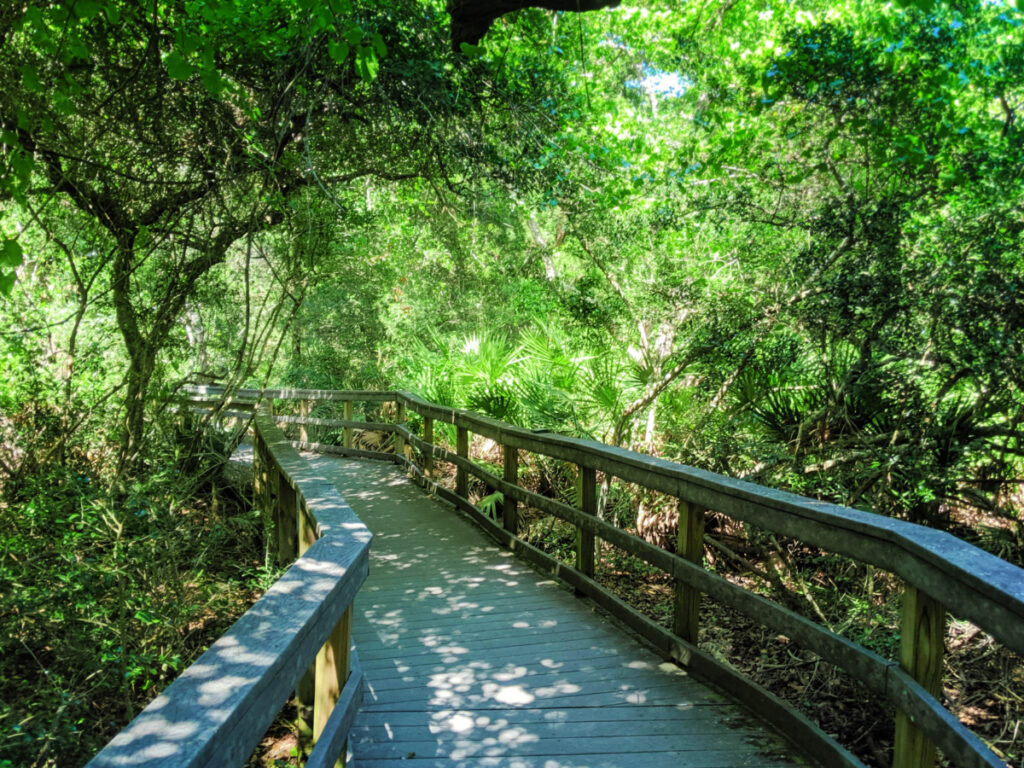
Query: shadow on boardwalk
[{"x": 473, "y": 659}]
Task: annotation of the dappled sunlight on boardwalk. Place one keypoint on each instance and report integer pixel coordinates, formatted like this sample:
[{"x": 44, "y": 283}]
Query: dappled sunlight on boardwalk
[{"x": 472, "y": 658}]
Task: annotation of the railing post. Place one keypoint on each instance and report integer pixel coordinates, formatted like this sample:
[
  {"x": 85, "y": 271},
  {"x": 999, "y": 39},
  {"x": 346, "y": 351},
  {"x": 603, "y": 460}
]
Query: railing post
[
  {"x": 332, "y": 669},
  {"x": 286, "y": 523},
  {"x": 922, "y": 642},
  {"x": 305, "y": 693},
  {"x": 399, "y": 439},
  {"x": 347, "y": 441},
  {"x": 585, "y": 542},
  {"x": 690, "y": 546},
  {"x": 462, "y": 449},
  {"x": 428, "y": 437},
  {"x": 305, "y": 407},
  {"x": 508, "y": 506}
]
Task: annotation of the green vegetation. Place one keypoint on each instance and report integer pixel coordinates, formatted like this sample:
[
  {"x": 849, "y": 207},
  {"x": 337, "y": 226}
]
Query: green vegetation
[{"x": 780, "y": 241}]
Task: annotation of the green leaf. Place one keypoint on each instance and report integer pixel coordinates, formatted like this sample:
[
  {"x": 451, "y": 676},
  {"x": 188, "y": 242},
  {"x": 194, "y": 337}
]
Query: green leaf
[
  {"x": 367, "y": 64},
  {"x": 338, "y": 49},
  {"x": 86, "y": 9},
  {"x": 212, "y": 80},
  {"x": 471, "y": 51},
  {"x": 11, "y": 254},
  {"x": 177, "y": 67},
  {"x": 147, "y": 617},
  {"x": 6, "y": 283},
  {"x": 30, "y": 77},
  {"x": 378, "y": 45}
]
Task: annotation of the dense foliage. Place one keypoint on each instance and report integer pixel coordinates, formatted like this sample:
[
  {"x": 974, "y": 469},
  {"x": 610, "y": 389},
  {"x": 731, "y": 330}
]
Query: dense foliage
[{"x": 780, "y": 241}]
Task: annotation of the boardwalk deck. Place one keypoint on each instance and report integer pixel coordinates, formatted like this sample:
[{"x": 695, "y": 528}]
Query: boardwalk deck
[{"x": 473, "y": 659}]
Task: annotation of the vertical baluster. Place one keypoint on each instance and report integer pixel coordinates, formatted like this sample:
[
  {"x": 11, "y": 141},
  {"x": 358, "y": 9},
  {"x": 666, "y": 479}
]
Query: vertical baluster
[
  {"x": 332, "y": 668},
  {"x": 586, "y": 544},
  {"x": 508, "y": 507},
  {"x": 922, "y": 642},
  {"x": 286, "y": 523},
  {"x": 305, "y": 408},
  {"x": 428, "y": 437},
  {"x": 399, "y": 439},
  {"x": 689, "y": 545},
  {"x": 347, "y": 442},
  {"x": 462, "y": 449},
  {"x": 305, "y": 693}
]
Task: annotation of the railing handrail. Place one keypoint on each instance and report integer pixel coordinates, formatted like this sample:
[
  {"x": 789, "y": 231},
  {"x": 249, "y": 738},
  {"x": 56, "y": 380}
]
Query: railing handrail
[
  {"x": 217, "y": 710},
  {"x": 973, "y": 583},
  {"x": 941, "y": 571}
]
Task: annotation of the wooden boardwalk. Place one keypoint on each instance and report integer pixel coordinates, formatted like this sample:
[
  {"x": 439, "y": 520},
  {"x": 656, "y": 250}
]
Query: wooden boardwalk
[{"x": 473, "y": 659}]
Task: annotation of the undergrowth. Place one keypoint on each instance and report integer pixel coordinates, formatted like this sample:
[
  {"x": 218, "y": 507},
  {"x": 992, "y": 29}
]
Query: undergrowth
[{"x": 106, "y": 594}]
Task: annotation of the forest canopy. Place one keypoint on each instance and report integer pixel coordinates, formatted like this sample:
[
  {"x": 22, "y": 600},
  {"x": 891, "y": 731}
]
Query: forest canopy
[{"x": 781, "y": 241}]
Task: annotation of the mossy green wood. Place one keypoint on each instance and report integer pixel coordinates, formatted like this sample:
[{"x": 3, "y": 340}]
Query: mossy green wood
[
  {"x": 689, "y": 545},
  {"x": 348, "y": 430},
  {"x": 508, "y": 504},
  {"x": 585, "y": 541},
  {"x": 922, "y": 643}
]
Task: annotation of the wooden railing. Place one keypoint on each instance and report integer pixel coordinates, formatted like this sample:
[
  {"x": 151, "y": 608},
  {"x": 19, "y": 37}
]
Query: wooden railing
[
  {"x": 295, "y": 638},
  {"x": 940, "y": 572}
]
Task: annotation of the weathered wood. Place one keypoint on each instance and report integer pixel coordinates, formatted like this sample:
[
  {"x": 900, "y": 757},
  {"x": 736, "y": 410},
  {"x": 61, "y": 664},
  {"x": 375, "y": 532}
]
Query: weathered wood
[
  {"x": 219, "y": 708},
  {"x": 690, "y": 546},
  {"x": 332, "y": 670},
  {"x": 428, "y": 455},
  {"x": 922, "y": 641},
  {"x": 585, "y": 543},
  {"x": 509, "y": 514},
  {"x": 286, "y": 523},
  {"x": 330, "y": 746},
  {"x": 400, "y": 442},
  {"x": 305, "y": 408},
  {"x": 878, "y": 674},
  {"x": 977, "y": 585},
  {"x": 347, "y": 436},
  {"x": 462, "y": 448},
  {"x": 372, "y": 426}
]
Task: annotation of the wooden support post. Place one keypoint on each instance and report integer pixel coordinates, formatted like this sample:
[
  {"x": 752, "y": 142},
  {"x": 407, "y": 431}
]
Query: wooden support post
[
  {"x": 689, "y": 545},
  {"x": 399, "y": 440},
  {"x": 259, "y": 468},
  {"x": 428, "y": 437},
  {"x": 305, "y": 407},
  {"x": 585, "y": 542},
  {"x": 332, "y": 668},
  {"x": 287, "y": 524},
  {"x": 305, "y": 693},
  {"x": 462, "y": 449},
  {"x": 922, "y": 642},
  {"x": 508, "y": 506},
  {"x": 347, "y": 442}
]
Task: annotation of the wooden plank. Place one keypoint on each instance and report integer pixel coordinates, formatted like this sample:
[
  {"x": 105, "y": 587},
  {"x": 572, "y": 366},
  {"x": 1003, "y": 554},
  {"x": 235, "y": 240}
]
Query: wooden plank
[
  {"x": 974, "y": 584},
  {"x": 690, "y": 546},
  {"x": 509, "y": 514},
  {"x": 424, "y": 640},
  {"x": 922, "y": 641},
  {"x": 462, "y": 448},
  {"x": 219, "y": 708},
  {"x": 374, "y": 426}
]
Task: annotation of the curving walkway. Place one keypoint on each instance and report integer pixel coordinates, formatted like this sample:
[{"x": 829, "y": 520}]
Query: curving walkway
[{"x": 473, "y": 659}]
